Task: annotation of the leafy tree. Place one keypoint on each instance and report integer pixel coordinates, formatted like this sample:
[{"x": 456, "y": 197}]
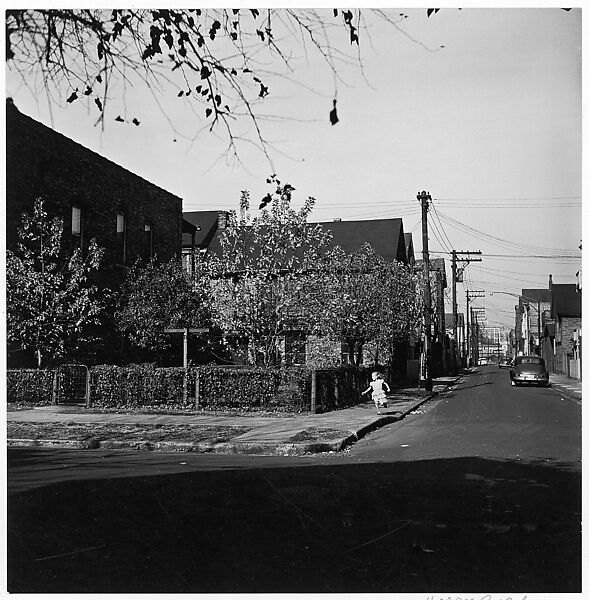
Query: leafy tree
[
  {"x": 348, "y": 302},
  {"x": 366, "y": 299},
  {"x": 219, "y": 63},
  {"x": 401, "y": 310},
  {"x": 262, "y": 273},
  {"x": 158, "y": 296},
  {"x": 50, "y": 302}
]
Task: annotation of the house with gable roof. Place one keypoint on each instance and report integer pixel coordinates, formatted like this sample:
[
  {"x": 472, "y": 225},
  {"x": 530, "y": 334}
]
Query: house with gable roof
[{"x": 385, "y": 236}]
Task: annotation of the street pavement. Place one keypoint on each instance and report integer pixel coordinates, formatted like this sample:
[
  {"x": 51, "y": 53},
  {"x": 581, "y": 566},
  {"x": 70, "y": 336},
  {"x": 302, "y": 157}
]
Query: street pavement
[{"x": 266, "y": 435}]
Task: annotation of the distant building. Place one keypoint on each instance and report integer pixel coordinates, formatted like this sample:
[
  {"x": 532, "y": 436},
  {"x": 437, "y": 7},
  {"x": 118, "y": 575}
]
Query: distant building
[{"x": 533, "y": 311}]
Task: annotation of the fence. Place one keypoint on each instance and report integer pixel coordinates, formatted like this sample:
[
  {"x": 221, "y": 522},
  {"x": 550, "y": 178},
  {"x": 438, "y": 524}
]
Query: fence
[{"x": 212, "y": 388}]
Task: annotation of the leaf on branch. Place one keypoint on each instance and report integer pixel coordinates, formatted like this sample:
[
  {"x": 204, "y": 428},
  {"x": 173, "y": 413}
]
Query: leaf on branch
[
  {"x": 432, "y": 11},
  {"x": 218, "y": 99},
  {"x": 169, "y": 39},
  {"x": 213, "y": 31},
  {"x": 260, "y": 34},
  {"x": 120, "y": 119},
  {"x": 255, "y": 12},
  {"x": 180, "y": 93},
  {"x": 100, "y": 49},
  {"x": 208, "y": 112},
  {"x": 73, "y": 97},
  {"x": 205, "y": 72},
  {"x": 263, "y": 91},
  {"x": 348, "y": 16},
  {"x": 88, "y": 91},
  {"x": 265, "y": 201},
  {"x": 99, "y": 78},
  {"x": 234, "y": 36},
  {"x": 335, "y": 12},
  {"x": 135, "y": 121},
  {"x": 98, "y": 103},
  {"x": 333, "y": 118}
]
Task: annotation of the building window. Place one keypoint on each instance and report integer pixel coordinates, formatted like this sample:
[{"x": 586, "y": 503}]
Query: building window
[
  {"x": 148, "y": 241},
  {"x": 295, "y": 348},
  {"x": 121, "y": 236},
  {"x": 76, "y": 220}
]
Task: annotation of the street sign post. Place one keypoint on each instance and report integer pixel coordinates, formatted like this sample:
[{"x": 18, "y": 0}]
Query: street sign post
[{"x": 185, "y": 331}]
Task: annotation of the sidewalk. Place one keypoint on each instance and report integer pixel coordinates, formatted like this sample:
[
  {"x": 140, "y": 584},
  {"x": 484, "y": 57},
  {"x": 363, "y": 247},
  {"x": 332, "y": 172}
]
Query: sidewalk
[
  {"x": 58, "y": 426},
  {"x": 566, "y": 385}
]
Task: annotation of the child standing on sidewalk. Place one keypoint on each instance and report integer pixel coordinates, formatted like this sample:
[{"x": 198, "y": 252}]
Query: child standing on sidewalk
[{"x": 379, "y": 388}]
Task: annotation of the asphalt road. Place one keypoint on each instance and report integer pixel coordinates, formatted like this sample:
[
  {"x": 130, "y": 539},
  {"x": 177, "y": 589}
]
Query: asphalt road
[{"x": 477, "y": 491}]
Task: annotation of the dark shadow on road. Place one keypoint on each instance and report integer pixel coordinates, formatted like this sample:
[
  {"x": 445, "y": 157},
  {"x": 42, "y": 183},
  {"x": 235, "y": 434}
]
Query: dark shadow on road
[{"x": 153, "y": 525}]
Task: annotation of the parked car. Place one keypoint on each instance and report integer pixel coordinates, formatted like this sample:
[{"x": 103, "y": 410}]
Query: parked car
[
  {"x": 530, "y": 370},
  {"x": 505, "y": 363}
]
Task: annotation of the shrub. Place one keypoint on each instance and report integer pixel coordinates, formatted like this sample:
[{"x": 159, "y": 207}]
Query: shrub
[
  {"x": 136, "y": 386},
  {"x": 29, "y": 386},
  {"x": 253, "y": 388}
]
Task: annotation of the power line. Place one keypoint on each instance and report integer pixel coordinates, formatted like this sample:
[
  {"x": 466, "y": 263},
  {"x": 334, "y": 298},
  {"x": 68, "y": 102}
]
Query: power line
[{"x": 494, "y": 239}]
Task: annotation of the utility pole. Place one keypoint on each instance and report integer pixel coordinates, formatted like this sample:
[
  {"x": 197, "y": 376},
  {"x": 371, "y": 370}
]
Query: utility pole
[
  {"x": 478, "y": 314},
  {"x": 470, "y": 296},
  {"x": 456, "y": 277},
  {"x": 424, "y": 198}
]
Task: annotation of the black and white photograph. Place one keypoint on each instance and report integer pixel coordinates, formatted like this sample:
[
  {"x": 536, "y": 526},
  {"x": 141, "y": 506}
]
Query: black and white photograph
[{"x": 292, "y": 301}]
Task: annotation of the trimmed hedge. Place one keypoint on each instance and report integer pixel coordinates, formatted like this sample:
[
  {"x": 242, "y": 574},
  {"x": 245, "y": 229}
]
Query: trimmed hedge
[
  {"x": 136, "y": 386},
  {"x": 29, "y": 386},
  {"x": 253, "y": 388},
  {"x": 219, "y": 388},
  {"x": 341, "y": 387}
]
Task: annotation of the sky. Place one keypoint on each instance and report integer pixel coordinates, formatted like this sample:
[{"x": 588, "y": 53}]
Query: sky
[{"x": 481, "y": 107}]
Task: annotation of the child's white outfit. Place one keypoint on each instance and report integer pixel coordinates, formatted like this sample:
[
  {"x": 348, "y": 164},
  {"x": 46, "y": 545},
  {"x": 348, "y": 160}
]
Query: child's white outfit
[{"x": 378, "y": 391}]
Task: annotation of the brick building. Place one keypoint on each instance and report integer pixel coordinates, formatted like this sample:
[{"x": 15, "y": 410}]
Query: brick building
[
  {"x": 129, "y": 216},
  {"x": 566, "y": 314},
  {"x": 96, "y": 198}
]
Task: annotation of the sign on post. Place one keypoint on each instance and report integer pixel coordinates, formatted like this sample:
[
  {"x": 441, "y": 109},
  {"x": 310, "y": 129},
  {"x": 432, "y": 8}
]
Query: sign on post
[{"x": 185, "y": 331}]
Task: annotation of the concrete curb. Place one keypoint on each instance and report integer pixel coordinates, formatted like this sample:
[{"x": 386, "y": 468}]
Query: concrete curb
[{"x": 565, "y": 392}]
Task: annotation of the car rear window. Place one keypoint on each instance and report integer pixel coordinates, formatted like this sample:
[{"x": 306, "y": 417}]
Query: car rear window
[{"x": 531, "y": 361}]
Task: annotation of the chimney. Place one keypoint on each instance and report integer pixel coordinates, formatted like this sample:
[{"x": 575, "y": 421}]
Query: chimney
[
  {"x": 550, "y": 281},
  {"x": 338, "y": 220}
]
